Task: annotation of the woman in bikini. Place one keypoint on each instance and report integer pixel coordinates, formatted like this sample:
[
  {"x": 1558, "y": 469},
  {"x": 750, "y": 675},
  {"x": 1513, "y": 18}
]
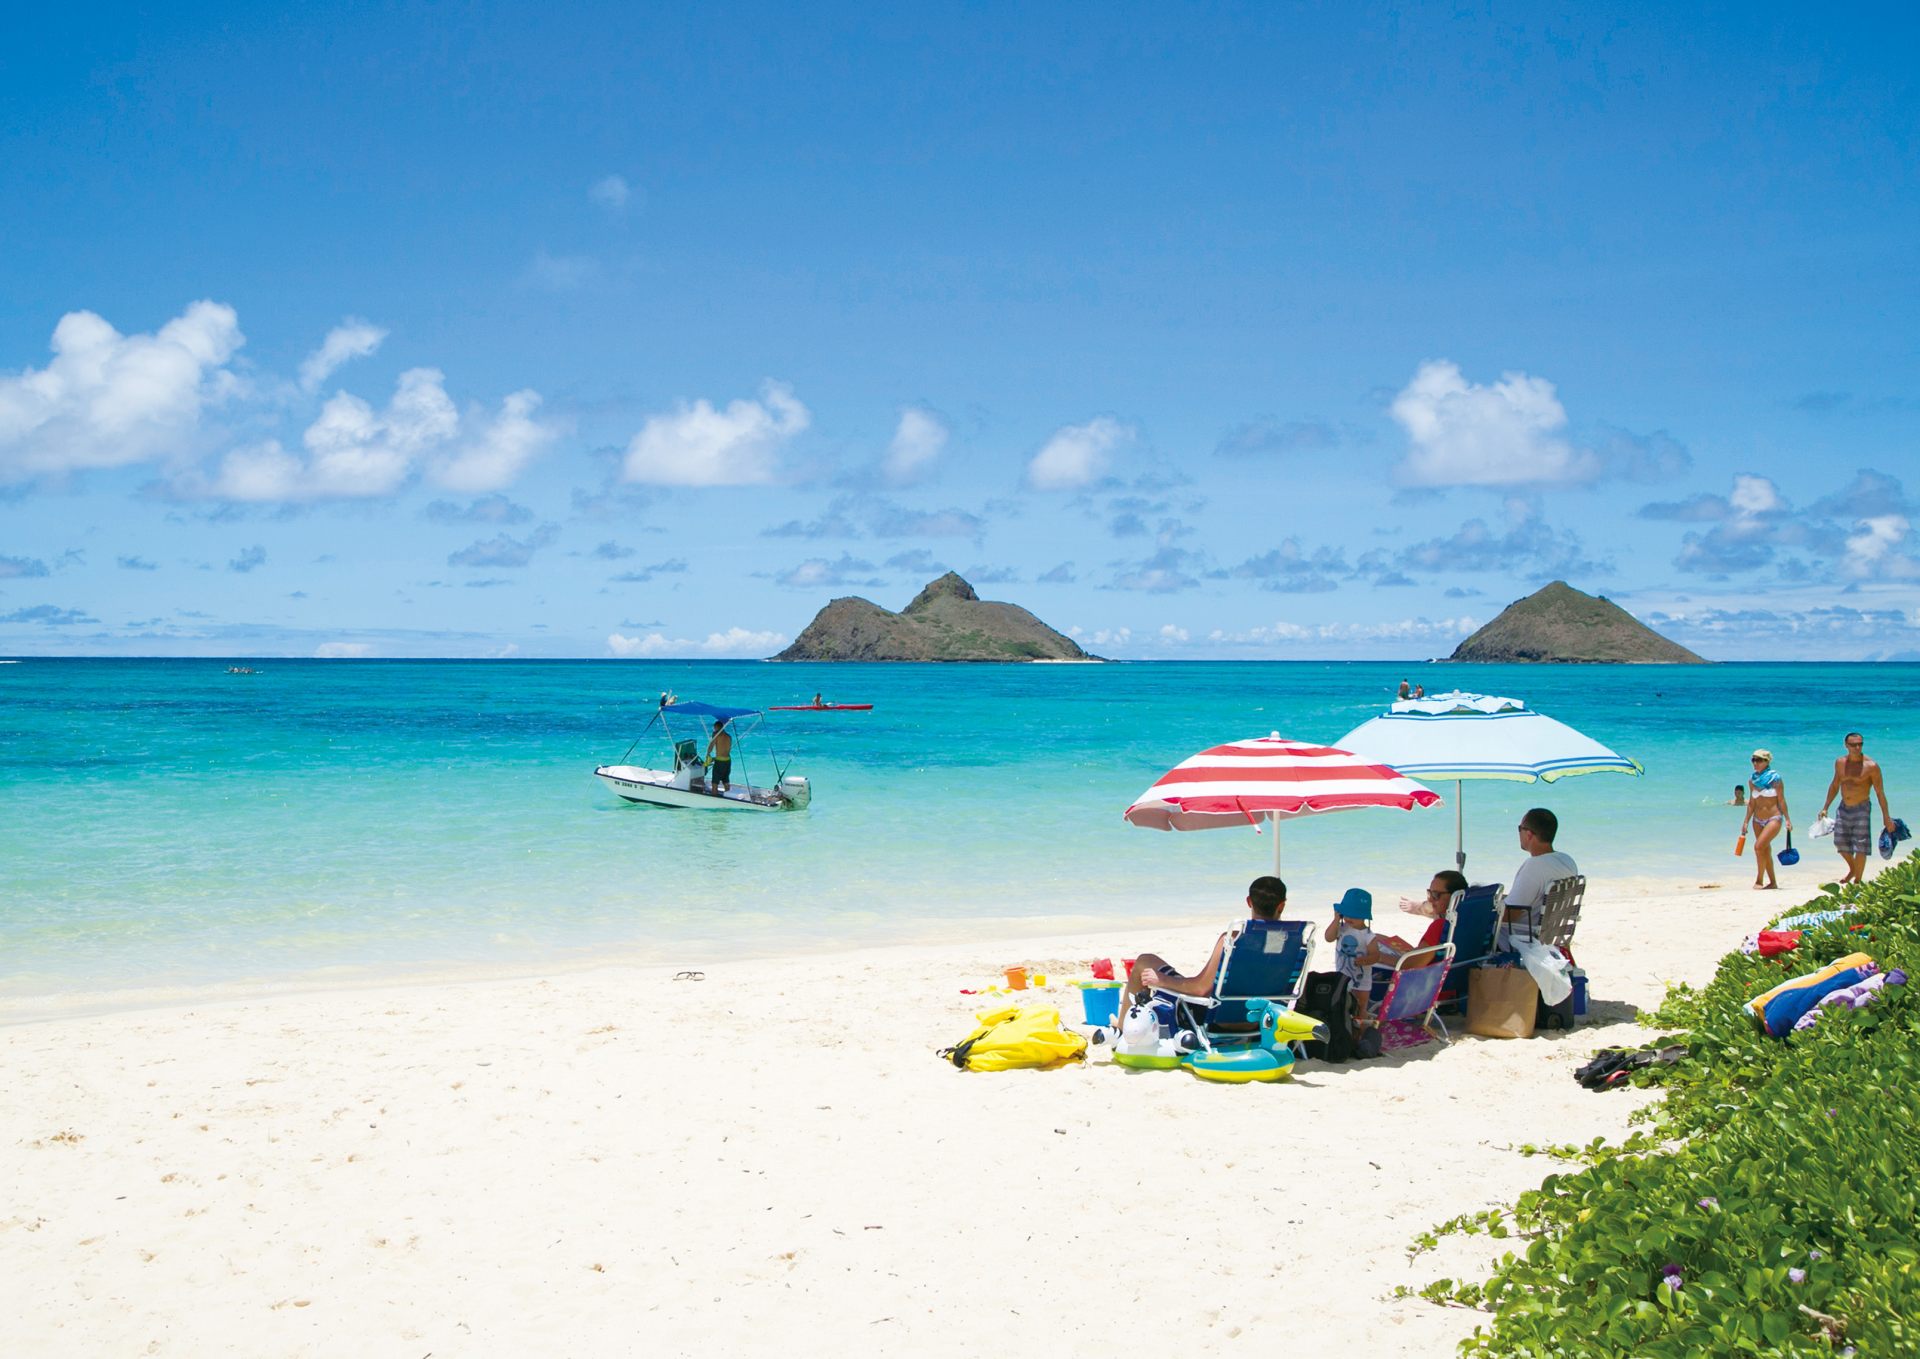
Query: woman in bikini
[{"x": 1767, "y": 811}]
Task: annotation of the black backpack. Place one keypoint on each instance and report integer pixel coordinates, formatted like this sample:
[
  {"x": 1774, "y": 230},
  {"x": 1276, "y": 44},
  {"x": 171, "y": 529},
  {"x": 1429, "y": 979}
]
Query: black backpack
[{"x": 1325, "y": 998}]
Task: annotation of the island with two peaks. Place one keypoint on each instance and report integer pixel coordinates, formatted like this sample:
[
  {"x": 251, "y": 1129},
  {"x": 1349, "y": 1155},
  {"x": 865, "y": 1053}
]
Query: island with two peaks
[
  {"x": 947, "y": 621},
  {"x": 1560, "y": 623}
]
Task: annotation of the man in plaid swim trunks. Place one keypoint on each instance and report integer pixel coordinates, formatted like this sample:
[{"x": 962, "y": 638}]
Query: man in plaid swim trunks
[{"x": 1855, "y": 777}]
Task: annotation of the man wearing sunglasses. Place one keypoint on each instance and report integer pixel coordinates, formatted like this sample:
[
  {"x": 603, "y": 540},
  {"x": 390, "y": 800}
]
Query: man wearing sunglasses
[
  {"x": 1543, "y": 866},
  {"x": 1855, "y": 779}
]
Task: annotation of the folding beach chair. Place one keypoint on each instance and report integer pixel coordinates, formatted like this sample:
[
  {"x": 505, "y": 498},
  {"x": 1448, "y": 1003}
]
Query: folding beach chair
[
  {"x": 1413, "y": 987},
  {"x": 1266, "y": 960},
  {"x": 1473, "y": 932},
  {"x": 1558, "y": 915}
]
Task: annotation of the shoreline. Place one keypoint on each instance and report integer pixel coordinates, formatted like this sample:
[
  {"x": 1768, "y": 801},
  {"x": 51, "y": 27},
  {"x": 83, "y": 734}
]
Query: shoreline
[
  {"x": 55, "y": 1002},
  {"x": 770, "y": 1160}
]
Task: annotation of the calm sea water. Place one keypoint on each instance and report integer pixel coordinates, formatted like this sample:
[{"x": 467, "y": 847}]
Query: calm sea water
[{"x": 166, "y": 823}]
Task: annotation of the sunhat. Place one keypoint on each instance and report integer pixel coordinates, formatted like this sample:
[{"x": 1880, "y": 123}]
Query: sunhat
[
  {"x": 1357, "y": 904},
  {"x": 1766, "y": 755}
]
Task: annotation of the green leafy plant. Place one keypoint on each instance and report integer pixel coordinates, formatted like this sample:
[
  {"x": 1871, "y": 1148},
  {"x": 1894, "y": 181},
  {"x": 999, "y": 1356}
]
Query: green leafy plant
[{"x": 1768, "y": 1206}]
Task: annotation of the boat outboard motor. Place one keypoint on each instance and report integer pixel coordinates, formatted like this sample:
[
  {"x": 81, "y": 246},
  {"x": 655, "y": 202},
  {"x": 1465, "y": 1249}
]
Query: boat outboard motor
[{"x": 796, "y": 790}]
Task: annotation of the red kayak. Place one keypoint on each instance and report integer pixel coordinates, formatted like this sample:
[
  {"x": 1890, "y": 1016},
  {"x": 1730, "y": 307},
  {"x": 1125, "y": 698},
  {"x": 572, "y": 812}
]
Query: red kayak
[{"x": 822, "y": 708}]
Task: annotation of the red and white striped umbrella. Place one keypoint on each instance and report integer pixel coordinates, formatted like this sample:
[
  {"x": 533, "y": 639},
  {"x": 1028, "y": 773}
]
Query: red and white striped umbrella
[{"x": 1270, "y": 778}]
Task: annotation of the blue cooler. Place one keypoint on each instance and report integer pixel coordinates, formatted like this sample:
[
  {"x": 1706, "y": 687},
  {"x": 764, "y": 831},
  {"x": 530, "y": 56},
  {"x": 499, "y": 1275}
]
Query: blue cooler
[{"x": 1579, "y": 977}]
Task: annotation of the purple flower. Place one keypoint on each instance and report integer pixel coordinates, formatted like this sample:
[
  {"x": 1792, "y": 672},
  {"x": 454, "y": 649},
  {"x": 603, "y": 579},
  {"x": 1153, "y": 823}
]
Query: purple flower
[
  {"x": 1671, "y": 1277},
  {"x": 1672, "y": 1283},
  {"x": 1814, "y": 1254},
  {"x": 1797, "y": 1275},
  {"x": 1709, "y": 1202}
]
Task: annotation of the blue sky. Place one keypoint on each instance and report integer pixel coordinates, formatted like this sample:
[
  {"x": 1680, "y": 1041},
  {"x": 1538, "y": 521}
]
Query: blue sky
[{"x": 1202, "y": 331}]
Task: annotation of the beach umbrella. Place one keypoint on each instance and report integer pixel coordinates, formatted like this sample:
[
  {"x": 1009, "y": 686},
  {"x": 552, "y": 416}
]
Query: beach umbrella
[
  {"x": 1462, "y": 736},
  {"x": 1271, "y": 779}
]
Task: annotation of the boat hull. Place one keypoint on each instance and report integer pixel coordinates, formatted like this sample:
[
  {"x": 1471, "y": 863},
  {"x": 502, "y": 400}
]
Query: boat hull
[
  {"x": 822, "y": 708},
  {"x": 654, "y": 787}
]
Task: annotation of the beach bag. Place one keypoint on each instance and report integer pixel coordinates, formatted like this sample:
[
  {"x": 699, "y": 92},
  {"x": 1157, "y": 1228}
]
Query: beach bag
[
  {"x": 1013, "y": 1038},
  {"x": 1546, "y": 1017},
  {"x": 1501, "y": 1002},
  {"x": 1325, "y": 997}
]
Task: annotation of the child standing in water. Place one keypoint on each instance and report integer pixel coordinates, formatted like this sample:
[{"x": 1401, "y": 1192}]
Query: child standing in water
[{"x": 1767, "y": 813}]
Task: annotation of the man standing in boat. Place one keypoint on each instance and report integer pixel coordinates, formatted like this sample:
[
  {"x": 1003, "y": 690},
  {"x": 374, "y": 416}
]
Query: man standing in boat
[{"x": 720, "y": 756}]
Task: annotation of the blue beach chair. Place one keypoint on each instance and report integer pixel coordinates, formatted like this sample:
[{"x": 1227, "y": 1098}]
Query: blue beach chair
[
  {"x": 1266, "y": 960},
  {"x": 1473, "y": 933}
]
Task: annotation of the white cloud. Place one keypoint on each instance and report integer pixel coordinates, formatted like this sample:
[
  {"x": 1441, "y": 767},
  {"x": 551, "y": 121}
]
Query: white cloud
[
  {"x": 500, "y": 452},
  {"x": 352, "y": 452},
  {"x": 697, "y": 445},
  {"x": 1076, "y": 454},
  {"x": 918, "y": 440},
  {"x": 818, "y": 573},
  {"x": 351, "y": 339},
  {"x": 732, "y": 642},
  {"x": 1507, "y": 434},
  {"x": 109, "y": 400},
  {"x": 1393, "y": 630},
  {"x": 1755, "y": 496},
  {"x": 1873, "y": 549},
  {"x": 611, "y": 192},
  {"x": 1173, "y": 634}
]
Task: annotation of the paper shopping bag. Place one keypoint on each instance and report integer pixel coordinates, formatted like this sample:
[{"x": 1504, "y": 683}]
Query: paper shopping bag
[{"x": 1501, "y": 1002}]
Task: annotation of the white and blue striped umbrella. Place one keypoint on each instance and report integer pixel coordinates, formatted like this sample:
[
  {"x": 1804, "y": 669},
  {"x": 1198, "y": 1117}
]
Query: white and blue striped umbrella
[{"x": 1462, "y": 736}]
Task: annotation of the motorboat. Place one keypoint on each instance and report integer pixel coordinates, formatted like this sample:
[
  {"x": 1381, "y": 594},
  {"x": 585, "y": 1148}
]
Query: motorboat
[{"x": 687, "y": 730}]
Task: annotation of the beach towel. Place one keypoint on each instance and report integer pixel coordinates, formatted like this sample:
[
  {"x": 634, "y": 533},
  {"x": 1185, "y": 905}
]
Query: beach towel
[
  {"x": 1851, "y": 997},
  {"x": 1806, "y": 919},
  {"x": 1778, "y": 1009},
  {"x": 1775, "y": 942},
  {"x": 1893, "y": 835}
]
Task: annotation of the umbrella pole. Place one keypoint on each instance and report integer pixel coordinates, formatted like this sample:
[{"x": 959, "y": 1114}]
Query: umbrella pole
[
  {"x": 1273, "y": 819},
  {"x": 1459, "y": 835}
]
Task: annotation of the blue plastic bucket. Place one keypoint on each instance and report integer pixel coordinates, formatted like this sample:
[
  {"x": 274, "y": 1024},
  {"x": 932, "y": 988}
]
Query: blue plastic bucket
[{"x": 1101, "y": 1003}]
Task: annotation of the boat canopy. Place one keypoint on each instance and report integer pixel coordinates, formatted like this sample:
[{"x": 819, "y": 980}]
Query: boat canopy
[{"x": 708, "y": 710}]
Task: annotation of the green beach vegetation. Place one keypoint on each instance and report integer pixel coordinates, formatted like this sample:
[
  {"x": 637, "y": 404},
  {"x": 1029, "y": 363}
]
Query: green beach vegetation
[{"x": 1768, "y": 1206}]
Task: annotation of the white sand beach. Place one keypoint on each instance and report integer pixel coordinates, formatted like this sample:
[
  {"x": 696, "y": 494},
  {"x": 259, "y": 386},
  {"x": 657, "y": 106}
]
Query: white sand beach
[{"x": 769, "y": 1161}]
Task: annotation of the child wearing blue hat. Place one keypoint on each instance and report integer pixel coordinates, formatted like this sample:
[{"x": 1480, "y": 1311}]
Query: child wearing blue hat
[{"x": 1356, "y": 948}]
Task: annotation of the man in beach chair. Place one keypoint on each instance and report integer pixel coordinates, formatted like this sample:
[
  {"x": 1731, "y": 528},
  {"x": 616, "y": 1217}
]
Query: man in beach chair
[{"x": 1262, "y": 959}]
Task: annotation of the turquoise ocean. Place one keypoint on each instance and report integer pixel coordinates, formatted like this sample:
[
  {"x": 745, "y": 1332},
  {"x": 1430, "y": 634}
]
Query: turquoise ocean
[{"x": 166, "y": 824}]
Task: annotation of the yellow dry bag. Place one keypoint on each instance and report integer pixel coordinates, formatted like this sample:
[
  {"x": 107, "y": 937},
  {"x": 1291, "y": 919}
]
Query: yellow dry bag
[{"x": 1012, "y": 1038}]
